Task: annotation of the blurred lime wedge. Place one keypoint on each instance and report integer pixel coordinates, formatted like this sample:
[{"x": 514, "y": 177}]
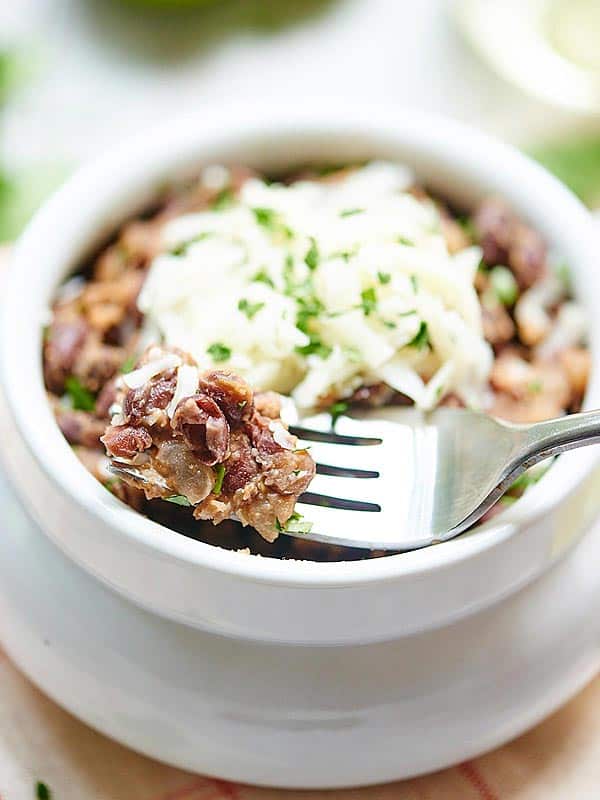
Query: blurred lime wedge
[
  {"x": 167, "y": 5},
  {"x": 573, "y": 29},
  {"x": 577, "y": 163}
]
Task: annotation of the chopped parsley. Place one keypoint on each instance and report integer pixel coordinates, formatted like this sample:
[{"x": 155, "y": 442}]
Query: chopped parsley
[
  {"x": 315, "y": 347},
  {"x": 311, "y": 259},
  {"x": 466, "y": 223},
  {"x": 271, "y": 220},
  {"x": 384, "y": 277},
  {"x": 263, "y": 277},
  {"x": 181, "y": 248},
  {"x": 42, "y": 791},
  {"x": 81, "y": 398},
  {"x": 368, "y": 298},
  {"x": 178, "y": 500},
  {"x": 296, "y": 524},
  {"x": 535, "y": 387},
  {"x": 406, "y": 242},
  {"x": 265, "y": 217},
  {"x": 504, "y": 285},
  {"x": 350, "y": 212},
  {"x": 346, "y": 255},
  {"x": 421, "y": 338},
  {"x": 128, "y": 364},
  {"x": 414, "y": 282},
  {"x": 389, "y": 324},
  {"x": 110, "y": 484},
  {"x": 223, "y": 200},
  {"x": 220, "y": 474},
  {"x": 337, "y": 410},
  {"x": 563, "y": 273},
  {"x": 249, "y": 309},
  {"x": 527, "y": 479},
  {"x": 219, "y": 351}
]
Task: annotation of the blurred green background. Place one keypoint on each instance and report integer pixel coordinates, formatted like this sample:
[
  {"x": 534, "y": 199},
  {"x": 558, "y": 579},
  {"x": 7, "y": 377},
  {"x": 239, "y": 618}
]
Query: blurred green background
[{"x": 76, "y": 76}]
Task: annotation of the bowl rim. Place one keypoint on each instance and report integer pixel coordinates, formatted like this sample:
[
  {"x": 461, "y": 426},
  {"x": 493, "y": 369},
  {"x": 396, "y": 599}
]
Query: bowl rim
[{"x": 22, "y": 377}]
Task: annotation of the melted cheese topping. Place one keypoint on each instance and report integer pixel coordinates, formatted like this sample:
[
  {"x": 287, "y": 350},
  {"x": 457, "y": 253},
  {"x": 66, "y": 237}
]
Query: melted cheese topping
[{"x": 319, "y": 287}]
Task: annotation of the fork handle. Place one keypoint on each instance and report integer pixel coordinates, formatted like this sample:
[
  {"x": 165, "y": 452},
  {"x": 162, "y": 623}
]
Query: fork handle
[{"x": 546, "y": 439}]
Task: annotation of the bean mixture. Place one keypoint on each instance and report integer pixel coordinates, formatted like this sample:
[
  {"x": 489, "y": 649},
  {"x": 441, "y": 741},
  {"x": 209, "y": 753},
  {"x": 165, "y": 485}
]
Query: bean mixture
[{"x": 248, "y": 466}]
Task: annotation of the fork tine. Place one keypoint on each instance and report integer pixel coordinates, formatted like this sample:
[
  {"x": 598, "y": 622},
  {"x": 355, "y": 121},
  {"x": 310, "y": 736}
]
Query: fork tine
[
  {"x": 344, "y": 456},
  {"x": 366, "y": 491}
]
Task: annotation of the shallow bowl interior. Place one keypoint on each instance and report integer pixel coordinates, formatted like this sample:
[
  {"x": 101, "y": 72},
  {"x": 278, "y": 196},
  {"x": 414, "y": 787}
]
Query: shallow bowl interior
[{"x": 457, "y": 162}]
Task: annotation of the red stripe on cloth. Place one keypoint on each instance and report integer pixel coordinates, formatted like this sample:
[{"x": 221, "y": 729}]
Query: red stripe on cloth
[
  {"x": 185, "y": 791},
  {"x": 471, "y": 774},
  {"x": 227, "y": 789},
  {"x": 205, "y": 788}
]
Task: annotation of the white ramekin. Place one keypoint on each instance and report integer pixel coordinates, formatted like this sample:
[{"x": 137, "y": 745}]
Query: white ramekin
[{"x": 260, "y": 598}]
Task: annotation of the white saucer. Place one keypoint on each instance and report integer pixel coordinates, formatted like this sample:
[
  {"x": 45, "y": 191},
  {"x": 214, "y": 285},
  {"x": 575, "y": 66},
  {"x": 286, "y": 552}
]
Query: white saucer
[{"x": 220, "y": 706}]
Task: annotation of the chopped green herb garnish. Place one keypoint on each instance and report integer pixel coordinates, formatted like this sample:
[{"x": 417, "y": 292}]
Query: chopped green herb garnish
[
  {"x": 406, "y": 242},
  {"x": 81, "y": 398},
  {"x": 178, "y": 500},
  {"x": 295, "y": 523},
  {"x": 270, "y": 219},
  {"x": 563, "y": 273},
  {"x": 529, "y": 478},
  {"x": 315, "y": 347},
  {"x": 345, "y": 254},
  {"x": 223, "y": 200},
  {"x": 336, "y": 411},
  {"x": 407, "y": 313},
  {"x": 504, "y": 285},
  {"x": 368, "y": 299},
  {"x": 220, "y": 473},
  {"x": 421, "y": 339},
  {"x": 219, "y": 351},
  {"x": 384, "y": 277},
  {"x": 350, "y": 212},
  {"x": 466, "y": 223},
  {"x": 128, "y": 364},
  {"x": 249, "y": 309},
  {"x": 263, "y": 277},
  {"x": 265, "y": 216},
  {"x": 110, "y": 484},
  {"x": 414, "y": 282},
  {"x": 308, "y": 307},
  {"x": 311, "y": 259},
  {"x": 535, "y": 386},
  {"x": 42, "y": 792},
  {"x": 389, "y": 324},
  {"x": 182, "y": 247}
]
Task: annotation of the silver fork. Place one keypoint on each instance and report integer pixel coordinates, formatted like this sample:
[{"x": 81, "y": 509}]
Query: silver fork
[{"x": 397, "y": 479}]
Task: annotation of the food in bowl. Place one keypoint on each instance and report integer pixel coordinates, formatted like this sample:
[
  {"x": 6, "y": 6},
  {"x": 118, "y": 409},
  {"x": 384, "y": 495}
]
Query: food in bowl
[
  {"x": 204, "y": 439},
  {"x": 352, "y": 286}
]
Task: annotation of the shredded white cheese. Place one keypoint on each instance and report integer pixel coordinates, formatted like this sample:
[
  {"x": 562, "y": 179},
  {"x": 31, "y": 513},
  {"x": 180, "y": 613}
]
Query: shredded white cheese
[
  {"x": 138, "y": 377},
  {"x": 320, "y": 286},
  {"x": 187, "y": 385}
]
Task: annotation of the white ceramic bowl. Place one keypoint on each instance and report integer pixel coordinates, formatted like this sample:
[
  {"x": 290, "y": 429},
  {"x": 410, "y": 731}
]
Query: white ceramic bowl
[{"x": 260, "y": 598}]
